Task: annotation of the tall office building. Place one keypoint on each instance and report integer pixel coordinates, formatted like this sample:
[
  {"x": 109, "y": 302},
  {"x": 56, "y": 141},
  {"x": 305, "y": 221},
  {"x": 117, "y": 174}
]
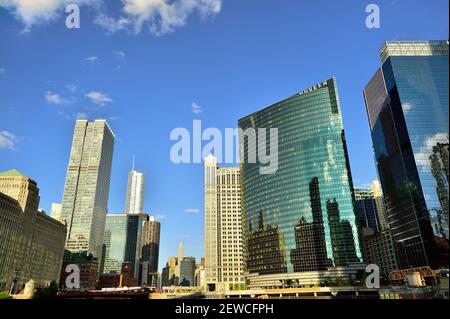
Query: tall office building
[
  {"x": 148, "y": 266},
  {"x": 135, "y": 192},
  {"x": 31, "y": 243},
  {"x": 308, "y": 201},
  {"x": 407, "y": 107},
  {"x": 168, "y": 277},
  {"x": 377, "y": 194},
  {"x": 115, "y": 242},
  {"x": 187, "y": 272},
  {"x": 366, "y": 209},
  {"x": 133, "y": 241},
  {"x": 223, "y": 227},
  {"x": 85, "y": 199},
  {"x": 179, "y": 259}
]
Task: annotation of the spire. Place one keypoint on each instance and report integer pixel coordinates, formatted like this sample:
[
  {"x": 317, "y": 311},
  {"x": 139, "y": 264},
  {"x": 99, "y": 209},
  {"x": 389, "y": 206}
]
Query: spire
[{"x": 134, "y": 159}]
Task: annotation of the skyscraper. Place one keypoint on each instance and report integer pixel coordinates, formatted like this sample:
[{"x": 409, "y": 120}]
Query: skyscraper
[
  {"x": 366, "y": 209},
  {"x": 135, "y": 192},
  {"x": 133, "y": 241},
  {"x": 148, "y": 267},
  {"x": 179, "y": 259},
  {"x": 377, "y": 194},
  {"x": 187, "y": 272},
  {"x": 86, "y": 190},
  {"x": 115, "y": 242},
  {"x": 407, "y": 107},
  {"x": 309, "y": 197},
  {"x": 223, "y": 227}
]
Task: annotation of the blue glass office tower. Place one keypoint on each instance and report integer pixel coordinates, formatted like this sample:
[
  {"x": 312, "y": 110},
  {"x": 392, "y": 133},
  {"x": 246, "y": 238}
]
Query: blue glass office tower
[
  {"x": 407, "y": 106},
  {"x": 301, "y": 218}
]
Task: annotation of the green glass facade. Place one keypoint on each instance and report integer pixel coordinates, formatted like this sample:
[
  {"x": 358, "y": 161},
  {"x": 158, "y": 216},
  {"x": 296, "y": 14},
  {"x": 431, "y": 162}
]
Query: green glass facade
[
  {"x": 114, "y": 242},
  {"x": 307, "y": 205}
]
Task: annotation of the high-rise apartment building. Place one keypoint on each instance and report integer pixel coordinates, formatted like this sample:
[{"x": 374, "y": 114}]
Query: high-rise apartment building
[
  {"x": 301, "y": 217},
  {"x": 148, "y": 266},
  {"x": 31, "y": 243},
  {"x": 115, "y": 242},
  {"x": 135, "y": 192},
  {"x": 86, "y": 190},
  {"x": 223, "y": 227},
  {"x": 407, "y": 106}
]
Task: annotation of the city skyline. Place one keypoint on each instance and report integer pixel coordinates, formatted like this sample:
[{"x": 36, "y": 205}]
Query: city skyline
[{"x": 202, "y": 99}]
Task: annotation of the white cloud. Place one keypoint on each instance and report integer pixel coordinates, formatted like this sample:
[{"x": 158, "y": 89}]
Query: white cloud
[
  {"x": 71, "y": 87},
  {"x": 8, "y": 140},
  {"x": 163, "y": 16},
  {"x": 160, "y": 16},
  {"x": 81, "y": 116},
  {"x": 2, "y": 71},
  {"x": 192, "y": 210},
  {"x": 99, "y": 98},
  {"x": 54, "y": 98},
  {"x": 120, "y": 54},
  {"x": 111, "y": 25},
  {"x": 159, "y": 217},
  {"x": 196, "y": 108},
  {"x": 91, "y": 60},
  {"x": 32, "y": 12}
]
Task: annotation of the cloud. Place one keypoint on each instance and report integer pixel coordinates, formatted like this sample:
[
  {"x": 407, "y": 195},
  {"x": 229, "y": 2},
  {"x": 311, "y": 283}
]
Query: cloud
[
  {"x": 192, "y": 210},
  {"x": 91, "y": 60},
  {"x": 2, "y": 71},
  {"x": 33, "y": 12},
  {"x": 99, "y": 98},
  {"x": 71, "y": 87},
  {"x": 54, "y": 98},
  {"x": 196, "y": 108},
  {"x": 81, "y": 116},
  {"x": 120, "y": 54},
  {"x": 159, "y": 217},
  {"x": 163, "y": 16},
  {"x": 160, "y": 16},
  {"x": 114, "y": 118},
  {"x": 8, "y": 140},
  {"x": 112, "y": 25}
]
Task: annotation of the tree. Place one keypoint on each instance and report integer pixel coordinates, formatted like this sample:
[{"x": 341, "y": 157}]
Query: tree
[
  {"x": 5, "y": 295},
  {"x": 47, "y": 293}
]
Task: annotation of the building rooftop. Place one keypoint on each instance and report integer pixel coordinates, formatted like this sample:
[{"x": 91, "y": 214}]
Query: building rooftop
[
  {"x": 413, "y": 48},
  {"x": 12, "y": 173}
]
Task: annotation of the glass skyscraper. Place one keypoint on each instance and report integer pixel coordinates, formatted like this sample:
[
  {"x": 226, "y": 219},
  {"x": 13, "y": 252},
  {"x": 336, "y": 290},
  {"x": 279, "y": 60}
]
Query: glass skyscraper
[
  {"x": 115, "y": 241},
  {"x": 407, "y": 106},
  {"x": 135, "y": 192},
  {"x": 301, "y": 218},
  {"x": 85, "y": 199}
]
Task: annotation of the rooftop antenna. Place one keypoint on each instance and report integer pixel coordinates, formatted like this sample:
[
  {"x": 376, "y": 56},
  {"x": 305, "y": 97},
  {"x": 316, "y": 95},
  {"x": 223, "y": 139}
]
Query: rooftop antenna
[{"x": 134, "y": 158}]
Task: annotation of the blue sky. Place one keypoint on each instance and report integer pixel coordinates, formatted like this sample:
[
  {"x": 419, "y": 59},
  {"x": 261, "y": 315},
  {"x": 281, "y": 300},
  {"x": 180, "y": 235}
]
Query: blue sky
[{"x": 230, "y": 58}]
